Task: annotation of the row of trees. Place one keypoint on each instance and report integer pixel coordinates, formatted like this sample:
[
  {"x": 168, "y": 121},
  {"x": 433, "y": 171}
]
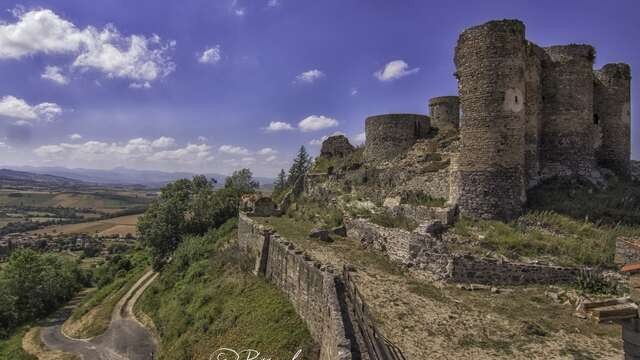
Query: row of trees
[
  {"x": 190, "y": 207},
  {"x": 33, "y": 285}
]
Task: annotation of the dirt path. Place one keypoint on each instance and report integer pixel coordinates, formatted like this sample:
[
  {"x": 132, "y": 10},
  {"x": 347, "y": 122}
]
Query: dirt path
[{"x": 125, "y": 339}]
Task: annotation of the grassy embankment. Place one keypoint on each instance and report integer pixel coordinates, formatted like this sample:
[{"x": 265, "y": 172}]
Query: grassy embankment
[
  {"x": 11, "y": 348},
  {"x": 206, "y": 299},
  {"x": 569, "y": 223},
  {"x": 93, "y": 315}
]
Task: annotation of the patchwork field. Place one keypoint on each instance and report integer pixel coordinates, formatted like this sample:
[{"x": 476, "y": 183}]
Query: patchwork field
[
  {"x": 99, "y": 201},
  {"x": 117, "y": 226}
]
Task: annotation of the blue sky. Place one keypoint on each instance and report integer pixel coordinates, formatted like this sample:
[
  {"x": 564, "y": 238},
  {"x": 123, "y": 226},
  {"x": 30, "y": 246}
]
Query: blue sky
[{"x": 194, "y": 85}]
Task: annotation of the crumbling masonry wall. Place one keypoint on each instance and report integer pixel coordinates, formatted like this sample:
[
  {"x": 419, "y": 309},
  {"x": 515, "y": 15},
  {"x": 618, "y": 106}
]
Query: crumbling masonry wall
[
  {"x": 567, "y": 142},
  {"x": 444, "y": 111},
  {"x": 612, "y": 110},
  {"x": 311, "y": 288},
  {"x": 388, "y": 136},
  {"x": 490, "y": 63}
]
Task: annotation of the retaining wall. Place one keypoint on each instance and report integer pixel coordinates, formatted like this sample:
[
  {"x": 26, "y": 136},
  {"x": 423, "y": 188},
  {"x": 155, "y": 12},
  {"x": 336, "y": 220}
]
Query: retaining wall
[
  {"x": 311, "y": 287},
  {"x": 422, "y": 251}
]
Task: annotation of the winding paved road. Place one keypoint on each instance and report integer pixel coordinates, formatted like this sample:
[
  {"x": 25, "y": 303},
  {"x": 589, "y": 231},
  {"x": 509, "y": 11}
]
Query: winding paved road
[{"x": 125, "y": 339}]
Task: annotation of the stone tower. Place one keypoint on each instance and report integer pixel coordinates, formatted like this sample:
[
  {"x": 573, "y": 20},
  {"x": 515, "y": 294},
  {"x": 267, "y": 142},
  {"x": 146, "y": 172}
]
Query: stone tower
[
  {"x": 612, "y": 111},
  {"x": 444, "y": 111},
  {"x": 388, "y": 136},
  {"x": 567, "y": 141},
  {"x": 490, "y": 61}
]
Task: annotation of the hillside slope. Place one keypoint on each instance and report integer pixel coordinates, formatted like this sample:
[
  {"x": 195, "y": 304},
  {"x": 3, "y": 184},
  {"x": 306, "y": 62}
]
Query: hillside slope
[{"x": 206, "y": 299}]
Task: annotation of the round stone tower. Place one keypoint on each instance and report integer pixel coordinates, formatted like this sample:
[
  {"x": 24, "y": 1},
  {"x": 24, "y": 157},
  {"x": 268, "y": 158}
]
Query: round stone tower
[
  {"x": 388, "y": 136},
  {"x": 612, "y": 111},
  {"x": 490, "y": 63},
  {"x": 567, "y": 137},
  {"x": 444, "y": 111}
]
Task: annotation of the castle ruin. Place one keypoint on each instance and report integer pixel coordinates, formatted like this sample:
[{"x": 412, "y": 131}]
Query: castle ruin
[{"x": 529, "y": 113}]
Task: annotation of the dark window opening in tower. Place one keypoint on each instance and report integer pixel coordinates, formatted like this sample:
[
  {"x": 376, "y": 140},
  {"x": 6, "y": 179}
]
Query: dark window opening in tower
[
  {"x": 516, "y": 99},
  {"x": 596, "y": 120}
]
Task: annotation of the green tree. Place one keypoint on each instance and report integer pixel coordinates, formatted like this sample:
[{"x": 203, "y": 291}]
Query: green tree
[
  {"x": 190, "y": 207},
  {"x": 301, "y": 164},
  {"x": 281, "y": 182},
  {"x": 242, "y": 182}
]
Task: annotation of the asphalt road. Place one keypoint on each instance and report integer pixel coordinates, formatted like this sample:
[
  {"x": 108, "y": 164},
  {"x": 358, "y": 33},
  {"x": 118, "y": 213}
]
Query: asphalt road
[{"x": 125, "y": 339}]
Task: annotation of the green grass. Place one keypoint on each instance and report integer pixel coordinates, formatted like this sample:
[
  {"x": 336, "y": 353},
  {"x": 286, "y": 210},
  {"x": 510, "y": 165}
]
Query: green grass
[
  {"x": 535, "y": 234},
  {"x": 106, "y": 299},
  {"x": 206, "y": 299},
  {"x": 11, "y": 348},
  {"x": 422, "y": 199},
  {"x": 618, "y": 203}
]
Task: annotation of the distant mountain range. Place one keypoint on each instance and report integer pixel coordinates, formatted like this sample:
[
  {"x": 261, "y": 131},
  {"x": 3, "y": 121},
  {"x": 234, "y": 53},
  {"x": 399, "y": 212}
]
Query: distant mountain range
[
  {"x": 28, "y": 178},
  {"x": 118, "y": 176}
]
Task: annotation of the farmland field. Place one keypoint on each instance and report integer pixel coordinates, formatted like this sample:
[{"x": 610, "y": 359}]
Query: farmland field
[{"x": 117, "y": 226}]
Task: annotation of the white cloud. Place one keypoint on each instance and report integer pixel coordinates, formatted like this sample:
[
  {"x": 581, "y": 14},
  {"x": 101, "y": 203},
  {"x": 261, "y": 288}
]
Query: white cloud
[
  {"x": 271, "y": 158},
  {"x": 134, "y": 57},
  {"x": 354, "y": 92},
  {"x": 188, "y": 154},
  {"x": 239, "y": 12},
  {"x": 395, "y": 70},
  {"x": 359, "y": 139},
  {"x": 163, "y": 142},
  {"x": 132, "y": 151},
  {"x": 315, "y": 122},
  {"x": 233, "y": 150},
  {"x": 267, "y": 151},
  {"x": 273, "y": 3},
  {"x": 210, "y": 55},
  {"x": 278, "y": 126},
  {"x": 54, "y": 73},
  {"x": 202, "y": 139},
  {"x": 75, "y": 136},
  {"x": 140, "y": 85},
  {"x": 15, "y": 108},
  {"x": 318, "y": 142},
  {"x": 310, "y": 76}
]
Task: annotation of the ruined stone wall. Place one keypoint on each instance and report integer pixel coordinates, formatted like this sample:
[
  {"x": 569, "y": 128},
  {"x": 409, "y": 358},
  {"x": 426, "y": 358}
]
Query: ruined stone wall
[
  {"x": 471, "y": 269},
  {"x": 627, "y": 251},
  {"x": 311, "y": 287},
  {"x": 444, "y": 111},
  {"x": 490, "y": 63},
  {"x": 533, "y": 103},
  {"x": 567, "y": 142},
  {"x": 612, "y": 111},
  {"x": 388, "y": 136},
  {"x": 423, "y": 252}
]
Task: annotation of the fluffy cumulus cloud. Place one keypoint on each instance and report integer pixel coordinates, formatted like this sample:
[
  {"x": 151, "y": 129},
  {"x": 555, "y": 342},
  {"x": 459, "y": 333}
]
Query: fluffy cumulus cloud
[
  {"x": 267, "y": 151},
  {"x": 75, "y": 136},
  {"x": 160, "y": 150},
  {"x": 317, "y": 122},
  {"x": 310, "y": 76},
  {"x": 233, "y": 150},
  {"x": 359, "y": 139},
  {"x": 163, "y": 142},
  {"x": 135, "y": 57},
  {"x": 23, "y": 113},
  {"x": 395, "y": 70},
  {"x": 275, "y": 126},
  {"x": 54, "y": 74},
  {"x": 210, "y": 55}
]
